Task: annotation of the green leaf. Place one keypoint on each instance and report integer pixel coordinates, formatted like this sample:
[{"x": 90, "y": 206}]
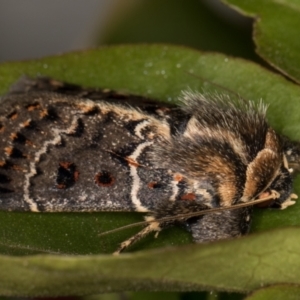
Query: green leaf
[
  {"x": 279, "y": 292},
  {"x": 136, "y": 296},
  {"x": 204, "y": 25},
  {"x": 160, "y": 72},
  {"x": 276, "y": 32},
  {"x": 239, "y": 265}
]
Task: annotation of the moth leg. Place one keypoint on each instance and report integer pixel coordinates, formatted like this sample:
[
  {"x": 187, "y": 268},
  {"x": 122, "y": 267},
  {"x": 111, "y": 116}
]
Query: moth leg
[
  {"x": 153, "y": 226},
  {"x": 289, "y": 201}
]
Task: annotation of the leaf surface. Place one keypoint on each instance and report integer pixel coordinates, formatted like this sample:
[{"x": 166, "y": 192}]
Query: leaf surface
[
  {"x": 160, "y": 72},
  {"x": 278, "y": 292},
  {"x": 186, "y": 268},
  {"x": 276, "y": 32}
]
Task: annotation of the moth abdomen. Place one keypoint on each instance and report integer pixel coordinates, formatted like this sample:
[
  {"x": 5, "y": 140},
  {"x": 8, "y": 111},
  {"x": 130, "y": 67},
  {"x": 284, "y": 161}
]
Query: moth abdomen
[{"x": 224, "y": 225}]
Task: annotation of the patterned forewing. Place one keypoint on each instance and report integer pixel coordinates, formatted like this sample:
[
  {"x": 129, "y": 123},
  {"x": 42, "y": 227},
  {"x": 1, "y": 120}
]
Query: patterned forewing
[{"x": 61, "y": 154}]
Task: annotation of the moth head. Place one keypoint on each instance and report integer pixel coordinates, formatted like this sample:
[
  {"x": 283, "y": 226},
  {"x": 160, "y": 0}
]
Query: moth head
[{"x": 268, "y": 173}]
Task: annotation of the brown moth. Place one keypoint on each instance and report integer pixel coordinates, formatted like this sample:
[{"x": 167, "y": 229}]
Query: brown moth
[{"x": 68, "y": 149}]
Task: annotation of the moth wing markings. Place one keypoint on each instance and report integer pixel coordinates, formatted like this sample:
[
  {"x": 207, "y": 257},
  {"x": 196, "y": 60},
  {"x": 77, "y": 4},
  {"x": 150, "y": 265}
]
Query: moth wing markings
[
  {"x": 136, "y": 179},
  {"x": 175, "y": 190},
  {"x": 125, "y": 115},
  {"x": 32, "y": 167},
  {"x": 138, "y": 129}
]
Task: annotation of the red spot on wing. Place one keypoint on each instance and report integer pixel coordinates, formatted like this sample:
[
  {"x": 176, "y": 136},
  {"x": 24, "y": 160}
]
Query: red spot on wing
[
  {"x": 177, "y": 177},
  {"x": 104, "y": 179},
  {"x": 154, "y": 185},
  {"x": 67, "y": 175},
  {"x": 188, "y": 197}
]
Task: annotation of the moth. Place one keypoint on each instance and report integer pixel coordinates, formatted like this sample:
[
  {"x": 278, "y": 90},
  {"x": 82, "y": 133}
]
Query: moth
[{"x": 64, "y": 148}]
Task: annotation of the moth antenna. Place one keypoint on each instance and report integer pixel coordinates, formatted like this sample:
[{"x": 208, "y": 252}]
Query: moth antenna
[
  {"x": 273, "y": 195},
  {"x": 217, "y": 85}
]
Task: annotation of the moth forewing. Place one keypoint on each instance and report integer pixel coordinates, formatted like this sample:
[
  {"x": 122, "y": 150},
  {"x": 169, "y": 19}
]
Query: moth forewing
[{"x": 63, "y": 152}]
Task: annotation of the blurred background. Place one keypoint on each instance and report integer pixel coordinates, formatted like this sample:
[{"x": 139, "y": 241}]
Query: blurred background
[{"x": 33, "y": 28}]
